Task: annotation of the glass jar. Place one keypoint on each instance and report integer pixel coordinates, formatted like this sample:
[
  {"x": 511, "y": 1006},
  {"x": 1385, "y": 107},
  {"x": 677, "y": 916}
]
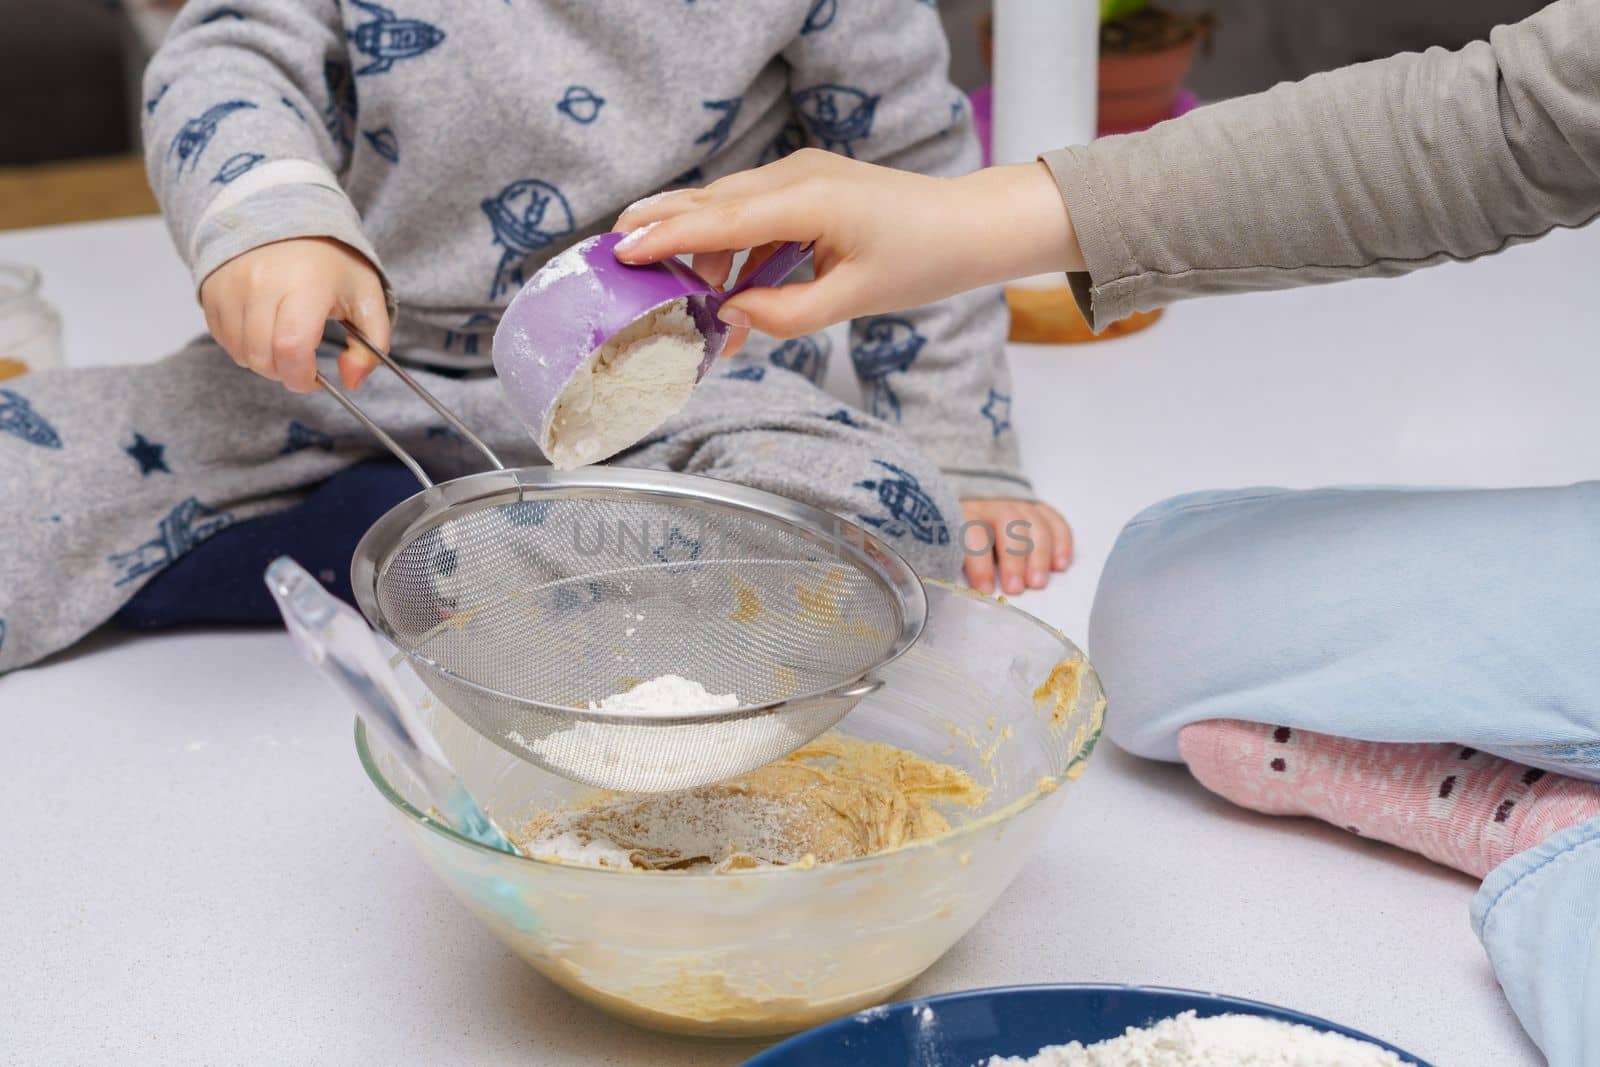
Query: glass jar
[{"x": 30, "y": 329}]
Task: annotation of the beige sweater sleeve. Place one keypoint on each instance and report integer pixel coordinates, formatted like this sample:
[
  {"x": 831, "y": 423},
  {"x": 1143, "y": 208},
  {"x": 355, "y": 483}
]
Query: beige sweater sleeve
[{"x": 1369, "y": 171}]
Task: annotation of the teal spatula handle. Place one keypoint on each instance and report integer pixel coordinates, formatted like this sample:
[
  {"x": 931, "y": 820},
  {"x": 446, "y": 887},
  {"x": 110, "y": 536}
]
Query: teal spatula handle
[{"x": 338, "y": 642}]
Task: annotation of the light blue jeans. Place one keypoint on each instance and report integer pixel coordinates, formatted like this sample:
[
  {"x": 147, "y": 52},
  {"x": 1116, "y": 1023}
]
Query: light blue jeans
[{"x": 1467, "y": 616}]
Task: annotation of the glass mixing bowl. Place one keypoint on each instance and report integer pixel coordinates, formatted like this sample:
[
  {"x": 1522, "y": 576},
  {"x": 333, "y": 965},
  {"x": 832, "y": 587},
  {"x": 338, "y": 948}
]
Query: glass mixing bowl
[{"x": 988, "y": 688}]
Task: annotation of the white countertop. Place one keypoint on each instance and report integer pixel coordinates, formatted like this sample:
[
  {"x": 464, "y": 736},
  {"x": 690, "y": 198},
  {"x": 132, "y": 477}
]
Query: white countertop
[{"x": 195, "y": 870}]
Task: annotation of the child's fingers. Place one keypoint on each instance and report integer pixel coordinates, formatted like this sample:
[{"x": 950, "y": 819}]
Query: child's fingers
[
  {"x": 979, "y": 565},
  {"x": 295, "y": 336},
  {"x": 1061, "y": 543},
  {"x": 980, "y": 572},
  {"x": 1040, "y": 559},
  {"x": 371, "y": 317},
  {"x": 1012, "y": 553}
]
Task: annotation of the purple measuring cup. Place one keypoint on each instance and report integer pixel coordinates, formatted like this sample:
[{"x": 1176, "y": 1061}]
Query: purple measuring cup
[{"x": 582, "y": 298}]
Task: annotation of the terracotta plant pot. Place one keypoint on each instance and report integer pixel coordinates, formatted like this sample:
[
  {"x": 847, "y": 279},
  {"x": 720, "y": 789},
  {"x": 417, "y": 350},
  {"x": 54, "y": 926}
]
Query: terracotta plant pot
[
  {"x": 1138, "y": 86},
  {"x": 1141, "y": 89}
]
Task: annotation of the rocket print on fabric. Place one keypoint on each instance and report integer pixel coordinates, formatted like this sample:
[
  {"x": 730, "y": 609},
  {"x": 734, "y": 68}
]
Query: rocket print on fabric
[
  {"x": 837, "y": 116},
  {"x": 387, "y": 38},
  {"x": 470, "y": 334},
  {"x": 385, "y": 143},
  {"x": 195, "y": 137},
  {"x": 727, "y": 112},
  {"x": 184, "y": 527},
  {"x": 790, "y": 140},
  {"x": 526, "y": 216},
  {"x": 887, "y": 346},
  {"x": 806, "y": 356},
  {"x": 911, "y": 510},
  {"x": 18, "y": 419},
  {"x": 339, "y": 117},
  {"x": 302, "y": 437},
  {"x": 679, "y": 547}
]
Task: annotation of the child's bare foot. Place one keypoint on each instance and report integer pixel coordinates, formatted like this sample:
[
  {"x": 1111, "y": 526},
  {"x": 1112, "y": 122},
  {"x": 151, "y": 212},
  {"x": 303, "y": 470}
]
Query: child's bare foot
[{"x": 1026, "y": 541}]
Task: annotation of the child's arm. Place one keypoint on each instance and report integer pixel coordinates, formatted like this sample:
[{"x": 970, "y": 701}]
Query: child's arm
[
  {"x": 250, "y": 117},
  {"x": 868, "y": 79}
]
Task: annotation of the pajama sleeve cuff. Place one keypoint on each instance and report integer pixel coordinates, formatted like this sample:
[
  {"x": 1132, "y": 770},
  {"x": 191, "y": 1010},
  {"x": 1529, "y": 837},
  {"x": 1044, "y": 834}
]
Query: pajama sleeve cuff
[
  {"x": 278, "y": 202},
  {"x": 975, "y": 484}
]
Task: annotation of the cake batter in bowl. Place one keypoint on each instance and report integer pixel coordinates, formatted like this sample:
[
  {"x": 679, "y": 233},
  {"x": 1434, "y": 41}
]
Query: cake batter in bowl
[{"x": 988, "y": 690}]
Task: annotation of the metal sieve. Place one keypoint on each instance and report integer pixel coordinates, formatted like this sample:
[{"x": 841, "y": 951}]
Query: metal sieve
[{"x": 522, "y": 596}]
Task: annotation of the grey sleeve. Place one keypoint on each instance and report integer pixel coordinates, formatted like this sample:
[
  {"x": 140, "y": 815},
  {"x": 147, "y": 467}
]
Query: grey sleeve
[
  {"x": 1373, "y": 170},
  {"x": 250, "y": 111},
  {"x": 870, "y": 79}
]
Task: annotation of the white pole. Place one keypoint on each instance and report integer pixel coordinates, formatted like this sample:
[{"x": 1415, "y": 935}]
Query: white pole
[{"x": 1046, "y": 58}]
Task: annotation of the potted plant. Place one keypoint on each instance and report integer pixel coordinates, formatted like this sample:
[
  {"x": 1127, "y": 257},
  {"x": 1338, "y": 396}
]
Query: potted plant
[{"x": 1145, "y": 54}]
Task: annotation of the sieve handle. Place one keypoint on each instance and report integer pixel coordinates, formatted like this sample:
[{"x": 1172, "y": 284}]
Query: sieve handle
[{"x": 377, "y": 431}]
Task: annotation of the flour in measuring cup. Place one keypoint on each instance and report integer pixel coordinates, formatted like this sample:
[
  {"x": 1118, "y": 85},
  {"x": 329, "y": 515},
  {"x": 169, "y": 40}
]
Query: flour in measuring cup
[
  {"x": 633, "y": 383},
  {"x": 1217, "y": 1041}
]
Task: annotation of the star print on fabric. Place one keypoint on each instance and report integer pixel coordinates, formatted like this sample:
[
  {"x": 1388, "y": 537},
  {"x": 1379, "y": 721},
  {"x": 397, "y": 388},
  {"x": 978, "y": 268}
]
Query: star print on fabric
[
  {"x": 150, "y": 456},
  {"x": 998, "y": 411}
]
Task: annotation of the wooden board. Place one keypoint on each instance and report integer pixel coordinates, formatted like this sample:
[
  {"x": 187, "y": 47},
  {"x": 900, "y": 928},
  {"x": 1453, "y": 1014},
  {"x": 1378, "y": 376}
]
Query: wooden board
[{"x": 78, "y": 191}]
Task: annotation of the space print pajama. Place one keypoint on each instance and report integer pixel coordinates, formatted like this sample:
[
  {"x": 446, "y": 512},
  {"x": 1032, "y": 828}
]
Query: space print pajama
[
  {"x": 458, "y": 146},
  {"x": 112, "y": 474}
]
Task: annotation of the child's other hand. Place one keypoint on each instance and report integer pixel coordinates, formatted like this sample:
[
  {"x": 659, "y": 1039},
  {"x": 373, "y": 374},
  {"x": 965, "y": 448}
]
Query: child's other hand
[
  {"x": 268, "y": 307},
  {"x": 885, "y": 239},
  {"x": 1027, "y": 540}
]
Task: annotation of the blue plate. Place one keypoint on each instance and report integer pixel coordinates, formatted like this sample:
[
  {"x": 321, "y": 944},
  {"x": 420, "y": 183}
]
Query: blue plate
[{"x": 965, "y": 1029}]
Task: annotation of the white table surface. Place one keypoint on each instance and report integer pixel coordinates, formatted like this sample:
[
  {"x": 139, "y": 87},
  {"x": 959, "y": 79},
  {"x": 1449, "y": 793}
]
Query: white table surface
[{"x": 194, "y": 870}]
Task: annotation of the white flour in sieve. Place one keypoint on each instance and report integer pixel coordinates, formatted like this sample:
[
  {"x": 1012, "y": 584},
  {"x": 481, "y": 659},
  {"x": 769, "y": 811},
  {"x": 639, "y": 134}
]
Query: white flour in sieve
[
  {"x": 667, "y": 695},
  {"x": 633, "y": 383},
  {"x": 1217, "y": 1041}
]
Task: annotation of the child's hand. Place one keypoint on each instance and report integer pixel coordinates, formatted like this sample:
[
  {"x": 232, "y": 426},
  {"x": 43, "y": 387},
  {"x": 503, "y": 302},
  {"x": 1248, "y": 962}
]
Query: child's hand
[
  {"x": 1027, "y": 540},
  {"x": 885, "y": 239},
  {"x": 268, "y": 307}
]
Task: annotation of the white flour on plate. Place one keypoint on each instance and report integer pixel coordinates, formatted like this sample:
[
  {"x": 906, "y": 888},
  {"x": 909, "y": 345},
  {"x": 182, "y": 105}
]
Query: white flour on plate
[{"x": 1217, "y": 1041}]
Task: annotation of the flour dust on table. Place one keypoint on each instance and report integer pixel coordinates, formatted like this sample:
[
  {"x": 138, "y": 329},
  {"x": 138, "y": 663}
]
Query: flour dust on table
[{"x": 1217, "y": 1041}]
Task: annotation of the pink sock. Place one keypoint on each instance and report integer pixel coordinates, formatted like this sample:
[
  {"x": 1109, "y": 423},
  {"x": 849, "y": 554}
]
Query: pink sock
[{"x": 1457, "y": 806}]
